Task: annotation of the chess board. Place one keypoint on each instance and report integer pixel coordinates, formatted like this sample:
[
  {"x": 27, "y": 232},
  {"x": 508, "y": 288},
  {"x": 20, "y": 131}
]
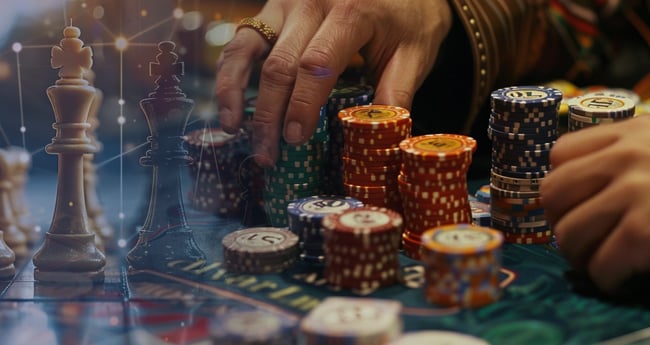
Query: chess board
[{"x": 542, "y": 302}]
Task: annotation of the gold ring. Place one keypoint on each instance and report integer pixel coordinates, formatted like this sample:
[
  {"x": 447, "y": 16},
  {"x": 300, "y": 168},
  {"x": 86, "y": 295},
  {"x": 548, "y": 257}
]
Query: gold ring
[{"x": 262, "y": 28}]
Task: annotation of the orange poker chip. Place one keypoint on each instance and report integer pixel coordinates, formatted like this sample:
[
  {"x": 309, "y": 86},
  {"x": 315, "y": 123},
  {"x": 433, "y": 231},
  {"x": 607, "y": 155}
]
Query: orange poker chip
[
  {"x": 438, "y": 147},
  {"x": 462, "y": 239},
  {"x": 374, "y": 116}
]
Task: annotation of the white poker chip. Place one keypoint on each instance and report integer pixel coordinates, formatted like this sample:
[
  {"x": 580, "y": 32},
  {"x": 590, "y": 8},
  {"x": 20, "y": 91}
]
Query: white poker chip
[
  {"x": 353, "y": 318},
  {"x": 438, "y": 338}
]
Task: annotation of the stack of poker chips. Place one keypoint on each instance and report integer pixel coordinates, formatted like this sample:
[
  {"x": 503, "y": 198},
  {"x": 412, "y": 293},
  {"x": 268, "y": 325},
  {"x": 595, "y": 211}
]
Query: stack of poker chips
[
  {"x": 361, "y": 248},
  {"x": 260, "y": 250},
  {"x": 344, "y": 95},
  {"x": 461, "y": 265},
  {"x": 253, "y": 327},
  {"x": 523, "y": 128},
  {"x": 371, "y": 154},
  {"x": 306, "y": 216},
  {"x": 346, "y": 320},
  {"x": 218, "y": 185},
  {"x": 296, "y": 174},
  {"x": 433, "y": 184},
  {"x": 596, "y": 108}
]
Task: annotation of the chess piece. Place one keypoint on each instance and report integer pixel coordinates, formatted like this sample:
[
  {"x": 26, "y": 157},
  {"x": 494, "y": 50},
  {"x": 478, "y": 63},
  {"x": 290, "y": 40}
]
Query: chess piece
[
  {"x": 68, "y": 253},
  {"x": 14, "y": 238},
  {"x": 7, "y": 259},
  {"x": 21, "y": 163},
  {"x": 98, "y": 222},
  {"x": 165, "y": 235}
]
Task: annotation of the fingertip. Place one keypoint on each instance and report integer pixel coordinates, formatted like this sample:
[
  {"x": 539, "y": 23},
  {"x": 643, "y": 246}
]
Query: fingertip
[
  {"x": 263, "y": 156},
  {"x": 293, "y": 133}
]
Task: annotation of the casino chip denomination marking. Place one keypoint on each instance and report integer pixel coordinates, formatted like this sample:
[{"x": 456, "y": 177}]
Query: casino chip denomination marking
[
  {"x": 361, "y": 248},
  {"x": 433, "y": 184},
  {"x": 523, "y": 128},
  {"x": 597, "y": 108},
  {"x": 462, "y": 263},
  {"x": 344, "y": 320},
  {"x": 305, "y": 217},
  {"x": 260, "y": 250}
]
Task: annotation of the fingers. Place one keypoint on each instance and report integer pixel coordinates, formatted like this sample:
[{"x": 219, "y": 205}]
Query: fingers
[
  {"x": 339, "y": 37},
  {"x": 277, "y": 83},
  {"x": 235, "y": 66},
  {"x": 578, "y": 144},
  {"x": 624, "y": 253}
]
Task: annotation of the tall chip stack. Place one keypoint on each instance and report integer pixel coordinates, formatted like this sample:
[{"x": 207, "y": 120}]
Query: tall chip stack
[
  {"x": 433, "y": 185},
  {"x": 344, "y": 95},
  {"x": 296, "y": 174},
  {"x": 362, "y": 248},
  {"x": 371, "y": 155},
  {"x": 306, "y": 216},
  {"x": 461, "y": 265},
  {"x": 523, "y": 129},
  {"x": 217, "y": 186},
  {"x": 596, "y": 108}
]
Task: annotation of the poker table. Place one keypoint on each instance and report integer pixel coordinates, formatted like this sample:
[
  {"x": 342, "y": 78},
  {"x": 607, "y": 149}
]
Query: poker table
[{"x": 543, "y": 301}]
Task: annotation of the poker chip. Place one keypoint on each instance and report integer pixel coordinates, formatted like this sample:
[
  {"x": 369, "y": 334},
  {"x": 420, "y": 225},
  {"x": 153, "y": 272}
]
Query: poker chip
[
  {"x": 361, "y": 248},
  {"x": 523, "y": 129},
  {"x": 260, "y": 250},
  {"x": 433, "y": 184},
  {"x": 346, "y": 320},
  {"x": 437, "y": 338},
  {"x": 252, "y": 327},
  {"x": 371, "y": 156},
  {"x": 305, "y": 216},
  {"x": 220, "y": 173},
  {"x": 601, "y": 107},
  {"x": 462, "y": 264}
]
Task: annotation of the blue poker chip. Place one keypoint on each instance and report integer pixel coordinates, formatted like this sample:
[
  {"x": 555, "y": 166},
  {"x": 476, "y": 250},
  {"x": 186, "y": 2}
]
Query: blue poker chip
[
  {"x": 545, "y": 135},
  {"x": 318, "y": 206},
  {"x": 525, "y": 97},
  {"x": 521, "y": 175},
  {"x": 483, "y": 194}
]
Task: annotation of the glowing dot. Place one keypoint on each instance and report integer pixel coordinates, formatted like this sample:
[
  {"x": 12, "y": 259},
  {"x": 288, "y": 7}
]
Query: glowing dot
[
  {"x": 23, "y": 129},
  {"x": 121, "y": 120},
  {"x": 178, "y": 13},
  {"x": 121, "y": 43},
  {"x": 98, "y": 12},
  {"x": 220, "y": 34},
  {"x": 192, "y": 20},
  {"x": 17, "y": 47},
  {"x": 121, "y": 243},
  {"x": 143, "y": 13},
  {"x": 121, "y": 101},
  {"x": 70, "y": 204},
  {"x": 83, "y": 5},
  {"x": 37, "y": 228},
  {"x": 218, "y": 16}
]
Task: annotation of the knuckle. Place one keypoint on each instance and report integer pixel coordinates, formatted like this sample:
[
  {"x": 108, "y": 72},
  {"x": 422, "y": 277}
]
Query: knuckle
[
  {"x": 317, "y": 59},
  {"x": 280, "y": 68}
]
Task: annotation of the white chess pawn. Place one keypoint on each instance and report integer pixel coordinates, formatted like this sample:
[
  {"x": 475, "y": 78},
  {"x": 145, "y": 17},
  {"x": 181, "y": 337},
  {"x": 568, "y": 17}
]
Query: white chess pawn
[
  {"x": 14, "y": 238},
  {"x": 21, "y": 163}
]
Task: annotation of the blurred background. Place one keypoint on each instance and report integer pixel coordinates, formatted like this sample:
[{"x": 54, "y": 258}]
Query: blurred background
[{"x": 29, "y": 28}]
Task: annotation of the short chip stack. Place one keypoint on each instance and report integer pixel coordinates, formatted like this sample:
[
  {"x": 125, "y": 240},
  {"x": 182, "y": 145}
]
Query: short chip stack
[
  {"x": 371, "y": 154},
  {"x": 253, "y": 327},
  {"x": 217, "y": 156},
  {"x": 462, "y": 264},
  {"x": 523, "y": 128},
  {"x": 433, "y": 184},
  {"x": 361, "y": 248},
  {"x": 296, "y": 174},
  {"x": 260, "y": 250},
  {"x": 359, "y": 321},
  {"x": 598, "y": 108},
  {"x": 344, "y": 95},
  {"x": 306, "y": 216}
]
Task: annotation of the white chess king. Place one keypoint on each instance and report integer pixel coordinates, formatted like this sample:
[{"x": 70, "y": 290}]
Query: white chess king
[{"x": 68, "y": 253}]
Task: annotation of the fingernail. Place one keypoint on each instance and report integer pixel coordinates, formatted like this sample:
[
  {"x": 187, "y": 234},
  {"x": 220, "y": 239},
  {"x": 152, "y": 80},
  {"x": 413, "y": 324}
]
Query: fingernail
[
  {"x": 225, "y": 117},
  {"x": 263, "y": 156},
  {"x": 293, "y": 132}
]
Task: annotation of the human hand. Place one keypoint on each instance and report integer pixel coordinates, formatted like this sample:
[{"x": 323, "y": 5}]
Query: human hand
[
  {"x": 399, "y": 41},
  {"x": 597, "y": 199}
]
